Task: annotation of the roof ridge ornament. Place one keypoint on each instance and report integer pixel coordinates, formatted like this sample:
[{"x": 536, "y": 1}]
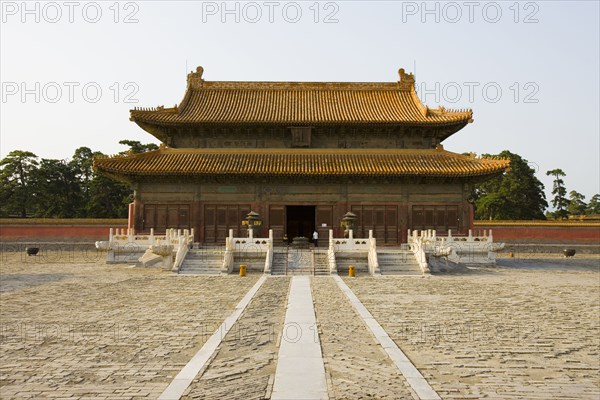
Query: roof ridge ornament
[
  {"x": 407, "y": 81},
  {"x": 195, "y": 78}
]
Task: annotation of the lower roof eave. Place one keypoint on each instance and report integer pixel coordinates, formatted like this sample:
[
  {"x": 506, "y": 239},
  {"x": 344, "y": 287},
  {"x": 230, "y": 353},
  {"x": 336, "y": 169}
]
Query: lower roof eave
[{"x": 324, "y": 178}]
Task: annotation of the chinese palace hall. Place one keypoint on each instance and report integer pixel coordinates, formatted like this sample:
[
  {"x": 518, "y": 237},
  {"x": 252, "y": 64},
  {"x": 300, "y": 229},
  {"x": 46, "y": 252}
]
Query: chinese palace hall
[{"x": 301, "y": 154}]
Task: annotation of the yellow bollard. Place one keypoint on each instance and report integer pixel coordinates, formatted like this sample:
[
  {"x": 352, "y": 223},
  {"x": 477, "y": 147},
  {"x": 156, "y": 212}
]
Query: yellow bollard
[
  {"x": 351, "y": 271},
  {"x": 242, "y": 270}
]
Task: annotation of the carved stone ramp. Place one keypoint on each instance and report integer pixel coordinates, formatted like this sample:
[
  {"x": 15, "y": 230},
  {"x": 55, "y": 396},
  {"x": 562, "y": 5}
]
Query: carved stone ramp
[{"x": 300, "y": 372}]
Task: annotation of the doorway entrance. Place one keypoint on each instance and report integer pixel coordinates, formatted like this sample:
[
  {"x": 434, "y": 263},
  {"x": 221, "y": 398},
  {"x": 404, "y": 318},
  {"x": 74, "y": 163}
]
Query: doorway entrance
[{"x": 300, "y": 221}]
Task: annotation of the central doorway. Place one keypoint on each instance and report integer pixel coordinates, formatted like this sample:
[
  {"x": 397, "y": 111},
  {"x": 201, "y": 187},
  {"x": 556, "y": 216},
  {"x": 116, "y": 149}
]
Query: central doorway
[{"x": 300, "y": 221}]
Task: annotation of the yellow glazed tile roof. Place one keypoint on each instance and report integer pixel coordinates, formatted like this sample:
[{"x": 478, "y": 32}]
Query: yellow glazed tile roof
[
  {"x": 301, "y": 162},
  {"x": 300, "y": 103}
]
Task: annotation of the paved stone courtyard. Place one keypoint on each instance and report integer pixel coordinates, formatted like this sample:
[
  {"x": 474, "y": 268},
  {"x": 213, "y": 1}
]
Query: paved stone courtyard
[{"x": 74, "y": 327}]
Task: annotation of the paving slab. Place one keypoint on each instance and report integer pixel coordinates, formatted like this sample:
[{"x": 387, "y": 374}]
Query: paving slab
[
  {"x": 515, "y": 332},
  {"x": 244, "y": 366},
  {"x": 200, "y": 360},
  {"x": 414, "y": 378},
  {"x": 300, "y": 371},
  {"x": 357, "y": 367},
  {"x": 73, "y": 326}
]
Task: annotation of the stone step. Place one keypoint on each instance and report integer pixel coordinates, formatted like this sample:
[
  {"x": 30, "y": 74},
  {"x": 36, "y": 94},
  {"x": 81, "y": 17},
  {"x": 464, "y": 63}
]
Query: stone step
[
  {"x": 401, "y": 273},
  {"x": 202, "y": 262},
  {"x": 200, "y": 270},
  {"x": 398, "y": 263},
  {"x": 200, "y": 273},
  {"x": 321, "y": 272}
]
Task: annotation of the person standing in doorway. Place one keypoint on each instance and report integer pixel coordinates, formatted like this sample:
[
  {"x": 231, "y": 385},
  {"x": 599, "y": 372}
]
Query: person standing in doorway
[{"x": 316, "y": 238}]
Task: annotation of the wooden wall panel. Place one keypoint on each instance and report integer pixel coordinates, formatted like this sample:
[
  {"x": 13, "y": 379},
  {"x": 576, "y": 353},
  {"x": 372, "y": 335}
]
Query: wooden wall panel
[
  {"x": 166, "y": 216},
  {"x": 220, "y": 218}
]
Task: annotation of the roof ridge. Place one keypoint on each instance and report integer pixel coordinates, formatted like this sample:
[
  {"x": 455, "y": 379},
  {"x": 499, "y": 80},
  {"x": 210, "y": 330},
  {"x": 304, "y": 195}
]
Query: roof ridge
[
  {"x": 195, "y": 81},
  {"x": 297, "y": 85}
]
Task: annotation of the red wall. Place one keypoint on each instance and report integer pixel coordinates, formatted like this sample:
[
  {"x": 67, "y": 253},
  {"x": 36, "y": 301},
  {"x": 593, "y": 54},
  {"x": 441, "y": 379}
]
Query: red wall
[
  {"x": 510, "y": 232},
  {"x": 551, "y": 233},
  {"x": 64, "y": 229}
]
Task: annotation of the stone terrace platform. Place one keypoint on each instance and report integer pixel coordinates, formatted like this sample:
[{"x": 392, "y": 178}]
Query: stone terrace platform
[{"x": 73, "y": 327}]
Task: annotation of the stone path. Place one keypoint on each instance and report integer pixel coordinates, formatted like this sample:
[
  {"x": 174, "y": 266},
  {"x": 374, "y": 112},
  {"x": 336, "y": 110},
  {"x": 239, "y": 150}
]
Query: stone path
[{"x": 300, "y": 372}]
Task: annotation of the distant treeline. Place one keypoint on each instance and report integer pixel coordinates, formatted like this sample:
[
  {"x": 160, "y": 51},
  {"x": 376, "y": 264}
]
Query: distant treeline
[{"x": 48, "y": 188}]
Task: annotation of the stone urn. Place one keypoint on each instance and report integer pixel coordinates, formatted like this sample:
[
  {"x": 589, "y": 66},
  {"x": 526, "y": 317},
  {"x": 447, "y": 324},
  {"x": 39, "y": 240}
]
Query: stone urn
[
  {"x": 348, "y": 223},
  {"x": 32, "y": 251},
  {"x": 568, "y": 252},
  {"x": 163, "y": 250}
]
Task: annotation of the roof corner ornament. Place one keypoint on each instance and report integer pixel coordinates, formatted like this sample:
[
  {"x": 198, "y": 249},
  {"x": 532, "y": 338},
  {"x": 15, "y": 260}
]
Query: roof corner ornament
[
  {"x": 407, "y": 81},
  {"x": 195, "y": 78}
]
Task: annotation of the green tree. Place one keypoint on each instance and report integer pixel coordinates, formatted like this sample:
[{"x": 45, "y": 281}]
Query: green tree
[
  {"x": 58, "y": 190},
  {"x": 81, "y": 163},
  {"x": 17, "y": 187},
  {"x": 560, "y": 201},
  {"x": 593, "y": 207},
  {"x": 576, "y": 204},
  {"x": 108, "y": 198},
  {"x": 137, "y": 147},
  {"x": 517, "y": 194}
]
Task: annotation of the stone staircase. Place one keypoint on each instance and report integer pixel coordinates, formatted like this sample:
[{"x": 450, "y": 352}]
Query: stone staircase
[
  {"x": 279, "y": 262},
  {"x": 299, "y": 262},
  {"x": 202, "y": 262},
  {"x": 321, "y": 262},
  {"x": 399, "y": 262}
]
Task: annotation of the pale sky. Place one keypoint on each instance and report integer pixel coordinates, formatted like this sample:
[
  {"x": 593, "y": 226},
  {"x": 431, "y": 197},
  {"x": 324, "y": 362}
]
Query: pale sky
[{"x": 70, "y": 71}]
